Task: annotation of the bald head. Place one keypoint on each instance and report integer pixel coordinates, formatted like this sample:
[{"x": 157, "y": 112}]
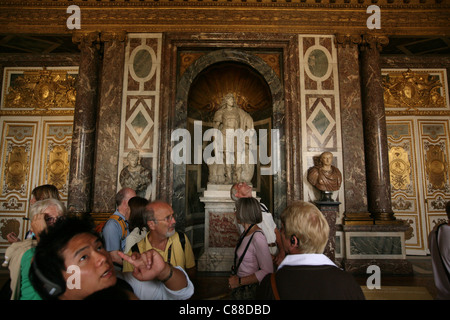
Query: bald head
[{"x": 240, "y": 190}]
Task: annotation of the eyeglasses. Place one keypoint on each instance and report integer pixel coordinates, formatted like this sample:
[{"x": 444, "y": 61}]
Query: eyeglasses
[
  {"x": 49, "y": 219},
  {"x": 168, "y": 218}
]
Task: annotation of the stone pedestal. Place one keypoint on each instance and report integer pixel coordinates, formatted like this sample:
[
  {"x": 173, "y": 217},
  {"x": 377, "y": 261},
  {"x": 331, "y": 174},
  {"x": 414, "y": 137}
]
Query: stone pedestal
[
  {"x": 330, "y": 210},
  {"x": 382, "y": 245},
  {"x": 221, "y": 229}
]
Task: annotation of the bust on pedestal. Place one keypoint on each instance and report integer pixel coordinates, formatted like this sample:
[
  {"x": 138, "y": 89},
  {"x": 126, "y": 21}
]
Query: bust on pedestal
[{"x": 327, "y": 178}]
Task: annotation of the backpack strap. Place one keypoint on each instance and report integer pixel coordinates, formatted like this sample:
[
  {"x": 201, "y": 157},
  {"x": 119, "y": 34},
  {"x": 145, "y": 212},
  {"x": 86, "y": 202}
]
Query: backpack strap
[
  {"x": 245, "y": 251},
  {"x": 182, "y": 237},
  {"x": 122, "y": 224},
  {"x": 274, "y": 286}
]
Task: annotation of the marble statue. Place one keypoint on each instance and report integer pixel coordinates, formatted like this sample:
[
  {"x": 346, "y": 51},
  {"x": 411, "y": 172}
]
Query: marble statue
[
  {"x": 231, "y": 117},
  {"x": 325, "y": 176},
  {"x": 135, "y": 175}
]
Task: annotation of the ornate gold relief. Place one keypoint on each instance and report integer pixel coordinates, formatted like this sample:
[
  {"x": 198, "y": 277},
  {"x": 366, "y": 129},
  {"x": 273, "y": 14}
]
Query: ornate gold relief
[
  {"x": 42, "y": 90},
  {"x": 413, "y": 91},
  {"x": 400, "y": 168},
  {"x": 436, "y": 167},
  {"x": 58, "y": 166},
  {"x": 16, "y": 168},
  {"x": 8, "y": 226}
]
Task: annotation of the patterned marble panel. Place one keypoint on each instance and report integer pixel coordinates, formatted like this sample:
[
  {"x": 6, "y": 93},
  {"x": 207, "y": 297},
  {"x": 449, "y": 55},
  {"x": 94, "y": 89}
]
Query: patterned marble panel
[
  {"x": 321, "y": 123},
  {"x": 140, "y": 104},
  {"x": 383, "y": 245}
]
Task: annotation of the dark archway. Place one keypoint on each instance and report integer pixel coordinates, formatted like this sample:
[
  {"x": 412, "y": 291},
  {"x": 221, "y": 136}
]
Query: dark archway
[{"x": 244, "y": 62}]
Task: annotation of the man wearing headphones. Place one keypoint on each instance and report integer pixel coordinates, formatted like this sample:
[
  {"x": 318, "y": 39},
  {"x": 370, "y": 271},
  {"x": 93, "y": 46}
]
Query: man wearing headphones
[
  {"x": 306, "y": 273},
  {"x": 70, "y": 263}
]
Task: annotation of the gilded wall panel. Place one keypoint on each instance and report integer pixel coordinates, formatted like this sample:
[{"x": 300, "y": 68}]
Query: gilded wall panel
[
  {"x": 18, "y": 150},
  {"x": 403, "y": 175},
  {"x": 416, "y": 91},
  {"x": 39, "y": 91},
  {"x": 435, "y": 136},
  {"x": 55, "y": 153},
  {"x": 418, "y": 110},
  {"x": 36, "y": 117}
]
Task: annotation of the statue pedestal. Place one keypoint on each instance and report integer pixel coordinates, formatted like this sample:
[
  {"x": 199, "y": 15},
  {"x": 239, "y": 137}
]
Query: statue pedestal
[
  {"x": 330, "y": 210},
  {"x": 382, "y": 245},
  {"x": 221, "y": 229}
]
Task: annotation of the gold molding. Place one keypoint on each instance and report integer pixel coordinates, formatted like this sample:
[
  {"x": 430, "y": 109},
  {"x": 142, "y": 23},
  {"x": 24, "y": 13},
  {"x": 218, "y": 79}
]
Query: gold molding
[
  {"x": 40, "y": 91},
  {"x": 37, "y": 113},
  {"x": 415, "y": 91},
  {"x": 307, "y": 16}
]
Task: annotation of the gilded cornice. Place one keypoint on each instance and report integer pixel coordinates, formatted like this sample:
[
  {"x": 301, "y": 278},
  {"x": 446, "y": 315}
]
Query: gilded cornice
[{"x": 398, "y": 17}]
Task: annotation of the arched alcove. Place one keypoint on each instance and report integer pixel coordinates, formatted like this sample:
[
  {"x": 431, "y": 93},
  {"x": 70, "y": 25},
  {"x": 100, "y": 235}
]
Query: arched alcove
[{"x": 258, "y": 90}]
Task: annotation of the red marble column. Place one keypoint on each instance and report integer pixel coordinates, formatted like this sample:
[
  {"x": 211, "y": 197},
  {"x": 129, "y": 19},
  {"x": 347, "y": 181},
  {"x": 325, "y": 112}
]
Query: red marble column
[
  {"x": 375, "y": 136},
  {"x": 108, "y": 127},
  {"x": 354, "y": 168},
  {"x": 84, "y": 125}
]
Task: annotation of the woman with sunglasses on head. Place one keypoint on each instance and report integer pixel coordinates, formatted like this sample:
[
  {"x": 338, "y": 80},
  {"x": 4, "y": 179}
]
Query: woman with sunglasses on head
[
  {"x": 253, "y": 260},
  {"x": 44, "y": 213}
]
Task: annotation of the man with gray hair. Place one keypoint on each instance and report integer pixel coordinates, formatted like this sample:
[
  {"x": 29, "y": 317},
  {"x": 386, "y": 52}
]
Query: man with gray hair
[
  {"x": 173, "y": 246},
  {"x": 115, "y": 230}
]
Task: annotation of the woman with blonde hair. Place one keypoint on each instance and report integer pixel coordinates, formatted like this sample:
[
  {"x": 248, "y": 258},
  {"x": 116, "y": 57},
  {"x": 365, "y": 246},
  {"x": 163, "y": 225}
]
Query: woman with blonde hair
[{"x": 306, "y": 273}]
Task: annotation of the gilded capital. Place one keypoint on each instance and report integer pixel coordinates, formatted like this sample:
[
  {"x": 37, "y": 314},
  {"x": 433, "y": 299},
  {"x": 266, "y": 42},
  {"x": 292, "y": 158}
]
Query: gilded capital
[
  {"x": 345, "y": 40},
  {"x": 87, "y": 39},
  {"x": 374, "y": 41},
  {"x": 109, "y": 36}
]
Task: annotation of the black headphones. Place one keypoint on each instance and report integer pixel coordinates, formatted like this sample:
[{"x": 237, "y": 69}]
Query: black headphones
[
  {"x": 293, "y": 239},
  {"x": 53, "y": 289}
]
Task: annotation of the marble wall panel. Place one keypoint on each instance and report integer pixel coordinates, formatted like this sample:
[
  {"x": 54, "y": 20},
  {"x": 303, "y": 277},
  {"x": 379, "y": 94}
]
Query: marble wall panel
[
  {"x": 140, "y": 104},
  {"x": 320, "y": 105}
]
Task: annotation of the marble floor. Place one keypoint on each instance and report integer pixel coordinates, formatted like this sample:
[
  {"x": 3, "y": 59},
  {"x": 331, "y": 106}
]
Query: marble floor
[{"x": 418, "y": 286}]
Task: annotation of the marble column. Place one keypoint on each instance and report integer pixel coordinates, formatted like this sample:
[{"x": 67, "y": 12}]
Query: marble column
[
  {"x": 84, "y": 125},
  {"x": 108, "y": 128},
  {"x": 354, "y": 168},
  {"x": 375, "y": 136}
]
